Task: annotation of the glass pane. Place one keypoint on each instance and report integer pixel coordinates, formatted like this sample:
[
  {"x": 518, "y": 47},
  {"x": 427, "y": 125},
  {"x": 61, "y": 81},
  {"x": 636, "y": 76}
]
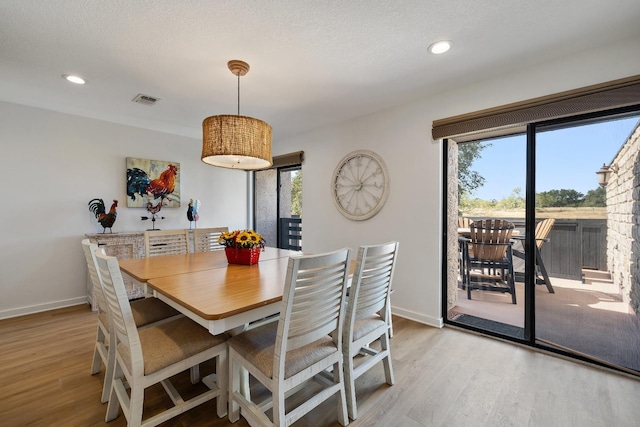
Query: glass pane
[
  {"x": 588, "y": 290},
  {"x": 266, "y": 205},
  {"x": 491, "y": 178},
  {"x": 290, "y": 209},
  {"x": 278, "y": 207}
]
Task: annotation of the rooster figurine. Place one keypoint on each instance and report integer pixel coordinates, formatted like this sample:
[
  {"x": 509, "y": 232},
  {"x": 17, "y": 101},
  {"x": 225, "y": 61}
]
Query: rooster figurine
[
  {"x": 106, "y": 220},
  {"x": 192, "y": 211},
  {"x": 153, "y": 210}
]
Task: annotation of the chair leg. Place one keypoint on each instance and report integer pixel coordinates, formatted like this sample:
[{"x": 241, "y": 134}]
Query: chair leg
[
  {"x": 388, "y": 368},
  {"x": 222, "y": 373},
  {"x": 136, "y": 404},
  {"x": 114, "y": 401},
  {"x": 279, "y": 416},
  {"x": 339, "y": 378},
  {"x": 234, "y": 387},
  {"x": 468, "y": 282},
  {"x": 512, "y": 283},
  {"x": 194, "y": 374},
  {"x": 244, "y": 383},
  {"x": 108, "y": 375},
  {"x": 97, "y": 359},
  {"x": 543, "y": 270},
  {"x": 350, "y": 387}
]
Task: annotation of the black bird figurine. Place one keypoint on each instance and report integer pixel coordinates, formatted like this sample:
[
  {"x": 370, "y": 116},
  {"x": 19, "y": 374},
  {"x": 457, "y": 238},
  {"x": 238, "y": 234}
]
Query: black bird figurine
[{"x": 192, "y": 211}]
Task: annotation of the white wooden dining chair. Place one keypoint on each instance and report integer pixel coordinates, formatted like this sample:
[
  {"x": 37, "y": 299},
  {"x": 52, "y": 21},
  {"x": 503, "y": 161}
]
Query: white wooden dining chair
[
  {"x": 145, "y": 312},
  {"x": 206, "y": 239},
  {"x": 166, "y": 242},
  {"x": 368, "y": 317},
  {"x": 152, "y": 355},
  {"x": 306, "y": 341}
]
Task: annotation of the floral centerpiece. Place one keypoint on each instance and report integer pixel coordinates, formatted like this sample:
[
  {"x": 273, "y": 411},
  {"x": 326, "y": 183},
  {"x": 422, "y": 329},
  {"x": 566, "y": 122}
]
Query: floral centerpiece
[{"x": 242, "y": 246}]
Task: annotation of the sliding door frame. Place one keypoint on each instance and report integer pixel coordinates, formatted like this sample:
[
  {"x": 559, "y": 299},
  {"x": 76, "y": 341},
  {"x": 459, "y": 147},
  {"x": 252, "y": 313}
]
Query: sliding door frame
[{"x": 530, "y": 221}]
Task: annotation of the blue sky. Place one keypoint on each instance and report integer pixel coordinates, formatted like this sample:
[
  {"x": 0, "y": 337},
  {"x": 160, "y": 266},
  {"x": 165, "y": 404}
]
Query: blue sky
[{"x": 566, "y": 159}]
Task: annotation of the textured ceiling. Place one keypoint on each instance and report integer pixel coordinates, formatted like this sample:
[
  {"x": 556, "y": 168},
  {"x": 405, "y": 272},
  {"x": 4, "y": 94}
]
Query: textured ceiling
[{"x": 312, "y": 62}]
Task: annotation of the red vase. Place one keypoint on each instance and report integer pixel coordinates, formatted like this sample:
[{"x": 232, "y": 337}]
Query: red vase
[{"x": 246, "y": 256}]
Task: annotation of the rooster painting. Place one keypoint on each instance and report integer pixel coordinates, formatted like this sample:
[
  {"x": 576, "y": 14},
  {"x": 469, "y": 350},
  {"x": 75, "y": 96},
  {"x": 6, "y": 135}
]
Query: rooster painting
[
  {"x": 106, "y": 219},
  {"x": 142, "y": 187}
]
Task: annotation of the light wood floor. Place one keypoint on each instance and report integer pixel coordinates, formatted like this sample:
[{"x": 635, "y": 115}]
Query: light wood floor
[{"x": 444, "y": 377}]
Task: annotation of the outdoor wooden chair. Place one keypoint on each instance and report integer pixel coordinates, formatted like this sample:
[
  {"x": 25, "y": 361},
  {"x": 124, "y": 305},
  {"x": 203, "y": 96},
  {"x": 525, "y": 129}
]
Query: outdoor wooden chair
[
  {"x": 488, "y": 257},
  {"x": 153, "y": 355},
  {"x": 463, "y": 222},
  {"x": 206, "y": 239},
  {"x": 300, "y": 347},
  {"x": 145, "y": 312},
  {"x": 463, "y": 232},
  {"x": 368, "y": 317},
  {"x": 166, "y": 242},
  {"x": 543, "y": 228}
]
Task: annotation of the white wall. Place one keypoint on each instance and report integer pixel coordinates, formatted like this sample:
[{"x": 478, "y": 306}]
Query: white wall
[
  {"x": 53, "y": 164},
  {"x": 402, "y": 136}
]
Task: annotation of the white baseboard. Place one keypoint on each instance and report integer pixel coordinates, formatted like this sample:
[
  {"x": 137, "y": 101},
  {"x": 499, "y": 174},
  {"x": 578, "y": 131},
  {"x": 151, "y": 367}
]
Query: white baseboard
[
  {"x": 31, "y": 309},
  {"x": 22, "y": 311},
  {"x": 437, "y": 322}
]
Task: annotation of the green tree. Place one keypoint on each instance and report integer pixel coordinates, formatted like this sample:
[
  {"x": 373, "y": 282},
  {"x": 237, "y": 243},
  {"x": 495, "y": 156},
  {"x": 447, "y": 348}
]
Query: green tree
[
  {"x": 596, "y": 198},
  {"x": 296, "y": 194},
  {"x": 469, "y": 180},
  {"x": 513, "y": 201},
  {"x": 559, "y": 198}
]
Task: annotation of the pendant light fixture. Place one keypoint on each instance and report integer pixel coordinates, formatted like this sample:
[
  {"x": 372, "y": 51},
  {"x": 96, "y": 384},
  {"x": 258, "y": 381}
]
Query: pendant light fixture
[{"x": 236, "y": 142}]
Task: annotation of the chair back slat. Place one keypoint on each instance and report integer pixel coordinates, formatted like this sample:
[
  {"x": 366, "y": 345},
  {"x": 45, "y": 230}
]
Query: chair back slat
[
  {"x": 119, "y": 307},
  {"x": 206, "y": 239},
  {"x": 489, "y": 239},
  {"x": 464, "y": 222},
  {"x": 371, "y": 284},
  {"x": 166, "y": 242},
  {"x": 94, "y": 276},
  {"x": 543, "y": 228},
  {"x": 312, "y": 301}
]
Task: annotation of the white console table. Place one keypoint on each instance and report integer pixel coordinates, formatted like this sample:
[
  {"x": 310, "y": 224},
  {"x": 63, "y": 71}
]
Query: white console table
[{"x": 122, "y": 246}]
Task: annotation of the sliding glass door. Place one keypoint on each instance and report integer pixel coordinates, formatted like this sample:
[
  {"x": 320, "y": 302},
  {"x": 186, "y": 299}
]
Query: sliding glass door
[
  {"x": 571, "y": 189},
  {"x": 590, "y": 253},
  {"x": 278, "y": 206},
  {"x": 491, "y": 176}
]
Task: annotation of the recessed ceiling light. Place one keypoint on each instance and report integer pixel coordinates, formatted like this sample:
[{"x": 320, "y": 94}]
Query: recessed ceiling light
[
  {"x": 440, "y": 47},
  {"x": 74, "y": 79}
]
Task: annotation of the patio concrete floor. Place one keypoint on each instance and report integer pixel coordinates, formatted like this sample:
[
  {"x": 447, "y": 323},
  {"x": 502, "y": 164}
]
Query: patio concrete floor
[{"x": 589, "y": 318}]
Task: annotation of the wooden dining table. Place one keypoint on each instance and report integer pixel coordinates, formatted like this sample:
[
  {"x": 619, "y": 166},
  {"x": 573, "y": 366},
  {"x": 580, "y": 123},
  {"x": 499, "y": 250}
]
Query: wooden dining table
[{"x": 206, "y": 288}]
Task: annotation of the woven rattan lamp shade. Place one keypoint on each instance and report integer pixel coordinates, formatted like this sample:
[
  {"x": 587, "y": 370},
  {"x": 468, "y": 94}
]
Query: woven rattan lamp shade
[{"x": 236, "y": 142}]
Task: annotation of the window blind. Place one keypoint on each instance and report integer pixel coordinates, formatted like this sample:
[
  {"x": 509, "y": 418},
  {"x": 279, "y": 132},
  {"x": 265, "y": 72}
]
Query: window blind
[
  {"x": 289, "y": 159},
  {"x": 512, "y": 118}
]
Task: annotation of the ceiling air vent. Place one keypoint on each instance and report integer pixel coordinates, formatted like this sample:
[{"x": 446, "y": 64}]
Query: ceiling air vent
[{"x": 145, "y": 99}]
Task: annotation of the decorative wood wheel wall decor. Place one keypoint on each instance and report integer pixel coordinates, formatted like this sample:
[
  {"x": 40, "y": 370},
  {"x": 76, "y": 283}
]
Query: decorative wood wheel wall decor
[{"x": 360, "y": 185}]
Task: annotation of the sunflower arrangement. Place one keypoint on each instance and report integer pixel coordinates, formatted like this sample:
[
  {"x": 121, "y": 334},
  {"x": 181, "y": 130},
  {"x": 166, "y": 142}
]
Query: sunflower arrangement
[{"x": 241, "y": 239}]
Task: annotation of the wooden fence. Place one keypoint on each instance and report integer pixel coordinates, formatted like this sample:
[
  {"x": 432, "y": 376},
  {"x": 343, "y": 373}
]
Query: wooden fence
[{"x": 573, "y": 244}]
